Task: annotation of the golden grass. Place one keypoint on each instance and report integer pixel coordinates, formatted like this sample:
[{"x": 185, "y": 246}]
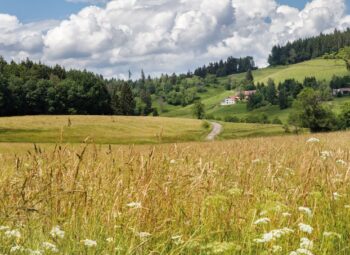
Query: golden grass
[
  {"x": 194, "y": 198},
  {"x": 100, "y": 129}
]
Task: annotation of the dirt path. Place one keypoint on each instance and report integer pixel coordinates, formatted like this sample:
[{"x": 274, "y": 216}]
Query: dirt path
[{"x": 217, "y": 128}]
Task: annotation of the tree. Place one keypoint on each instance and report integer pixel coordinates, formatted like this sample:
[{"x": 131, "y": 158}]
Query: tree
[
  {"x": 271, "y": 92},
  {"x": 283, "y": 99},
  {"x": 147, "y": 100},
  {"x": 311, "y": 113},
  {"x": 249, "y": 76},
  {"x": 345, "y": 116},
  {"x": 199, "y": 110},
  {"x": 127, "y": 101}
]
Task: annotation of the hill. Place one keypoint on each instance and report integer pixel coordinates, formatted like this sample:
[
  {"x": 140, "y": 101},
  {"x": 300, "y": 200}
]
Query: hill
[{"x": 322, "y": 69}]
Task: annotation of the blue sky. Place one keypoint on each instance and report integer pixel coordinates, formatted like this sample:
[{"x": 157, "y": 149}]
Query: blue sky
[
  {"x": 161, "y": 36},
  {"x": 35, "y": 10}
]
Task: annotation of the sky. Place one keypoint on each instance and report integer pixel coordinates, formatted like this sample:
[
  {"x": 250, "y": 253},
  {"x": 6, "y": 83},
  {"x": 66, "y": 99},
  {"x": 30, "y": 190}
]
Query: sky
[{"x": 111, "y": 37}]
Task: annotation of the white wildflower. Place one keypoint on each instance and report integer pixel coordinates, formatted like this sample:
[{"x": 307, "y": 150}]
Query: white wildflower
[
  {"x": 4, "y": 228},
  {"x": 263, "y": 213},
  {"x": 110, "y": 240},
  {"x": 57, "y": 232},
  {"x": 331, "y": 234},
  {"x": 256, "y": 161},
  {"x": 89, "y": 243},
  {"x": 173, "y": 161},
  {"x": 13, "y": 233},
  {"x": 16, "y": 248},
  {"x": 336, "y": 196},
  {"x": 50, "y": 247},
  {"x": 135, "y": 205},
  {"x": 313, "y": 140},
  {"x": 326, "y": 154},
  {"x": 305, "y": 210},
  {"x": 302, "y": 251},
  {"x": 262, "y": 221},
  {"x": 341, "y": 162},
  {"x": 273, "y": 235},
  {"x": 305, "y": 243},
  {"x": 144, "y": 234},
  {"x": 34, "y": 252},
  {"x": 286, "y": 214},
  {"x": 276, "y": 249},
  {"x": 347, "y": 206},
  {"x": 305, "y": 228}
]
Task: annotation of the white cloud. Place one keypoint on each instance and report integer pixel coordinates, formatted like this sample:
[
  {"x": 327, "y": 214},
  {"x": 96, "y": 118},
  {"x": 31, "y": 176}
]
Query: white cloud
[{"x": 167, "y": 35}]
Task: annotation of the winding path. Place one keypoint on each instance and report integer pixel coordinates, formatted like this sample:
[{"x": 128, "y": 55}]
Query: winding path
[{"x": 217, "y": 128}]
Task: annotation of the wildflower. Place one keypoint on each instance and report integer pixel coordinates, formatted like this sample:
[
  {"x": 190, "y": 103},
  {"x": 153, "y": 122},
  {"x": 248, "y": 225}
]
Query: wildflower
[
  {"x": 110, "y": 240},
  {"x": 220, "y": 247},
  {"x": 262, "y": 221},
  {"x": 13, "y": 233},
  {"x": 273, "y": 235},
  {"x": 336, "y": 196},
  {"x": 313, "y": 140},
  {"x": 347, "y": 206},
  {"x": 305, "y": 243},
  {"x": 4, "y": 228},
  {"x": 34, "y": 252},
  {"x": 341, "y": 162},
  {"x": 256, "y": 161},
  {"x": 263, "y": 213},
  {"x": 304, "y": 251},
  {"x": 305, "y": 228},
  {"x": 177, "y": 239},
  {"x": 89, "y": 243},
  {"x": 57, "y": 232},
  {"x": 50, "y": 247},
  {"x": 305, "y": 210},
  {"x": 16, "y": 248},
  {"x": 135, "y": 205},
  {"x": 286, "y": 214},
  {"x": 331, "y": 234},
  {"x": 326, "y": 154},
  {"x": 276, "y": 249},
  {"x": 173, "y": 161},
  {"x": 144, "y": 234}
]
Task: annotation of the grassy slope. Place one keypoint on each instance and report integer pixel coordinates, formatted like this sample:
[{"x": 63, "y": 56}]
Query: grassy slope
[
  {"x": 320, "y": 68},
  {"x": 100, "y": 129}
]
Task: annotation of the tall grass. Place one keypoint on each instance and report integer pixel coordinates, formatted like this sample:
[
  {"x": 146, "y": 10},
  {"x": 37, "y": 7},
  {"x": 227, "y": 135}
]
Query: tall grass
[{"x": 198, "y": 198}]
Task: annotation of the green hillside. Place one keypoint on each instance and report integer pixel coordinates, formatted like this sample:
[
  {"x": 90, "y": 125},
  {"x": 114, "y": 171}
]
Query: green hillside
[{"x": 322, "y": 69}]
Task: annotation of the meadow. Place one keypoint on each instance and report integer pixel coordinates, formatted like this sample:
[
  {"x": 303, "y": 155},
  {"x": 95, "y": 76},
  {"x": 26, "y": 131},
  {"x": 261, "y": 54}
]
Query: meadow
[{"x": 277, "y": 195}]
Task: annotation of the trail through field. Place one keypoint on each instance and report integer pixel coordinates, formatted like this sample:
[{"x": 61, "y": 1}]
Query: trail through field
[{"x": 217, "y": 128}]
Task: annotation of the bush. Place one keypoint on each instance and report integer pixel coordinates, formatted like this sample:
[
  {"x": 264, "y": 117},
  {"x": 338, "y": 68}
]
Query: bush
[
  {"x": 232, "y": 119},
  {"x": 277, "y": 121},
  {"x": 206, "y": 124}
]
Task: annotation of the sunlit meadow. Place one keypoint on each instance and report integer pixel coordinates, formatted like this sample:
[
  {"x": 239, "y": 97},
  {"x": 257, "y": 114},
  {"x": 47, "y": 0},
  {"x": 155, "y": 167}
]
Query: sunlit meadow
[{"x": 287, "y": 195}]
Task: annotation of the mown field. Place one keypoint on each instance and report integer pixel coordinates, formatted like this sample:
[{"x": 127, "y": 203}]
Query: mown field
[
  {"x": 100, "y": 129},
  {"x": 246, "y": 196},
  {"x": 320, "y": 68}
]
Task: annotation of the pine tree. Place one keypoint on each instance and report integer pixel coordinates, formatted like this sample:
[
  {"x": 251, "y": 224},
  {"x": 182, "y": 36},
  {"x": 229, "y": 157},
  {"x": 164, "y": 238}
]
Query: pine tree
[{"x": 127, "y": 101}]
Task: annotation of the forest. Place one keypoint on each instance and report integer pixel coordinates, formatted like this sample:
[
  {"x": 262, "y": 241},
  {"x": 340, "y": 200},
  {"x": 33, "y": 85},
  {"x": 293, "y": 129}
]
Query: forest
[{"x": 309, "y": 48}]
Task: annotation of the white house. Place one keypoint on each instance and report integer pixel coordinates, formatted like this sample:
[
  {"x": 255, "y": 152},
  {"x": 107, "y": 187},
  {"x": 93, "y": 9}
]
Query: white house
[{"x": 229, "y": 101}]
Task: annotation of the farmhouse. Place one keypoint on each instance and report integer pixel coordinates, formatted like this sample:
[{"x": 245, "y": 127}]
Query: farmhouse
[
  {"x": 341, "y": 91},
  {"x": 248, "y": 93},
  {"x": 230, "y": 101}
]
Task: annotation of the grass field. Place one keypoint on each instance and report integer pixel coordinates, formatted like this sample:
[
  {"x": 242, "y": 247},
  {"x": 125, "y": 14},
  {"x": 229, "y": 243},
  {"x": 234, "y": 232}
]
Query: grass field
[
  {"x": 250, "y": 196},
  {"x": 100, "y": 129}
]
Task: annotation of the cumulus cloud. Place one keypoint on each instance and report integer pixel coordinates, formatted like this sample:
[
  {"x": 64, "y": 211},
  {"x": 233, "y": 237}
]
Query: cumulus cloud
[{"x": 168, "y": 35}]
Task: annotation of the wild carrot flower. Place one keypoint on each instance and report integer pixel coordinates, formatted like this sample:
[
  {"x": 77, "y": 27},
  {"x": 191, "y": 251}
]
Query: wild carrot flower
[
  {"x": 331, "y": 234},
  {"x": 13, "y": 233},
  {"x": 110, "y": 240},
  {"x": 34, "y": 252},
  {"x": 173, "y": 161},
  {"x": 89, "y": 243},
  {"x": 305, "y": 228},
  {"x": 305, "y": 210},
  {"x": 326, "y": 154},
  {"x": 144, "y": 234},
  {"x": 336, "y": 196},
  {"x": 135, "y": 205},
  {"x": 313, "y": 140},
  {"x": 16, "y": 248},
  {"x": 286, "y": 214},
  {"x": 276, "y": 249},
  {"x": 305, "y": 243},
  {"x": 50, "y": 247},
  {"x": 262, "y": 221},
  {"x": 273, "y": 235},
  {"x": 341, "y": 162},
  {"x": 56, "y": 232}
]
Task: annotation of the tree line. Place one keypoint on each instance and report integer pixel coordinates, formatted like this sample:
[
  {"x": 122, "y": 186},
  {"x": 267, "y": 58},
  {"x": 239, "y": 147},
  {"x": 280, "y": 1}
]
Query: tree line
[{"x": 309, "y": 48}]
